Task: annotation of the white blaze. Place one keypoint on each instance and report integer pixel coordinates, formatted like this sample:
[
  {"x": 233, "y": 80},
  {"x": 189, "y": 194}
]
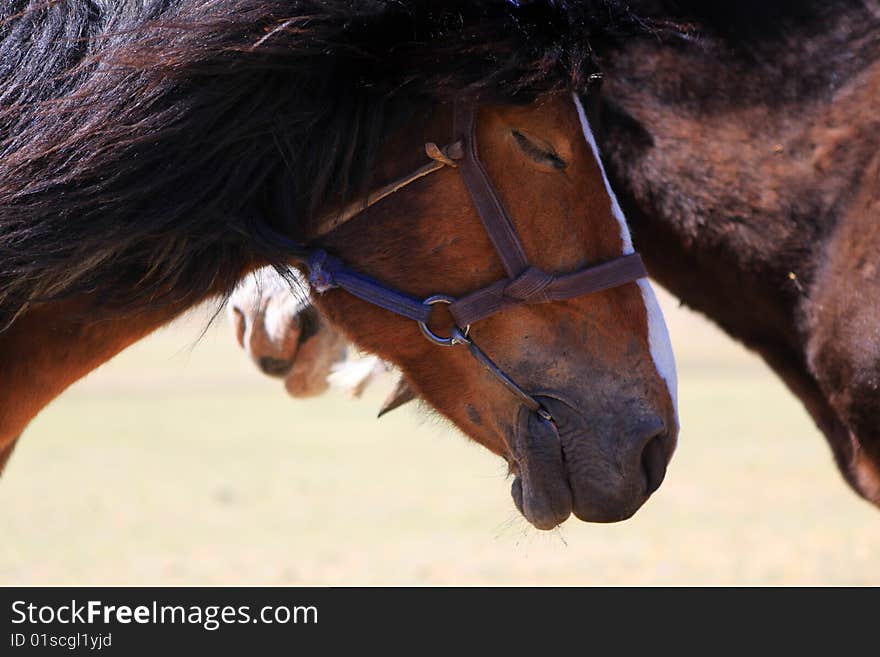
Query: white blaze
[{"x": 658, "y": 334}]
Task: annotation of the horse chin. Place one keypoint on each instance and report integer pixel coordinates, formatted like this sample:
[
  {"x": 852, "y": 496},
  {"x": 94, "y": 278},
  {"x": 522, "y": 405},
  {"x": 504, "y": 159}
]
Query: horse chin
[{"x": 567, "y": 469}]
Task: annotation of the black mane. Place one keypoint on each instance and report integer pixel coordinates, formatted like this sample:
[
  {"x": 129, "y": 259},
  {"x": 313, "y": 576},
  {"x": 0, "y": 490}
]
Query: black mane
[{"x": 140, "y": 143}]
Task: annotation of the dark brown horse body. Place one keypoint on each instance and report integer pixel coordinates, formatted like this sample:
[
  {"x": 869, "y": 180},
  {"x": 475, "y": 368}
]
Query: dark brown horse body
[{"x": 748, "y": 163}]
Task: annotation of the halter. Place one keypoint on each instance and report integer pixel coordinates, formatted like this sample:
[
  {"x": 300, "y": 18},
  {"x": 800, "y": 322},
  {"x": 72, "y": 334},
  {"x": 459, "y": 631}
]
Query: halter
[{"x": 525, "y": 283}]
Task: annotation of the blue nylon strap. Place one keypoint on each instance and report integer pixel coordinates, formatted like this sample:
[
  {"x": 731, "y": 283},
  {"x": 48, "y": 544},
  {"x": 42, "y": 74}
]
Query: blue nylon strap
[
  {"x": 327, "y": 273},
  {"x": 373, "y": 292}
]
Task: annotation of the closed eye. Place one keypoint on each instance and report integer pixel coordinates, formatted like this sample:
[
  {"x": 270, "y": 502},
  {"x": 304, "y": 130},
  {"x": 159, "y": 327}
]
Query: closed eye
[{"x": 540, "y": 154}]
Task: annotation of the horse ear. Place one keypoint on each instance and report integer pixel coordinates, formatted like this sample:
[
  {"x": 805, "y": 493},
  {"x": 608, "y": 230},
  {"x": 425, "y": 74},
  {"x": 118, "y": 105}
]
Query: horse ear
[{"x": 400, "y": 395}]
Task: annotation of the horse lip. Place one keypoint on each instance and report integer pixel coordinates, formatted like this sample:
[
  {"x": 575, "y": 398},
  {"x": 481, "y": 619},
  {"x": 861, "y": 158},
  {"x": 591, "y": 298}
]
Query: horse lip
[{"x": 541, "y": 489}]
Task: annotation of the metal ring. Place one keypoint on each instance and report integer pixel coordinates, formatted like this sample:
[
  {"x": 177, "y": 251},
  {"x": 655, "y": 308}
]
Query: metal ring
[{"x": 450, "y": 341}]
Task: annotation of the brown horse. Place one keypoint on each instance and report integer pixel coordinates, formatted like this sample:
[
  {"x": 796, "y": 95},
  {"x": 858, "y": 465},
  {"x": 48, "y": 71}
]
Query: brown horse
[
  {"x": 746, "y": 156},
  {"x": 150, "y": 158},
  {"x": 286, "y": 337},
  {"x": 283, "y": 334}
]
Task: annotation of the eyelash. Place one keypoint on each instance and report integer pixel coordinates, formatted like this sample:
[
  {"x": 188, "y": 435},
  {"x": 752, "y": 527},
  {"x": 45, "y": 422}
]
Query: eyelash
[{"x": 538, "y": 153}]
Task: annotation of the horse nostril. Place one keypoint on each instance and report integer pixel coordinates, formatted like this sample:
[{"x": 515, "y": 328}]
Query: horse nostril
[
  {"x": 654, "y": 462},
  {"x": 309, "y": 323},
  {"x": 274, "y": 366}
]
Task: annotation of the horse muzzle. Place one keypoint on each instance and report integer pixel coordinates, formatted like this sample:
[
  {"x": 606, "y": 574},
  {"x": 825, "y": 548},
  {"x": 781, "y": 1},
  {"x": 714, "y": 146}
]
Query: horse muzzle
[{"x": 599, "y": 467}]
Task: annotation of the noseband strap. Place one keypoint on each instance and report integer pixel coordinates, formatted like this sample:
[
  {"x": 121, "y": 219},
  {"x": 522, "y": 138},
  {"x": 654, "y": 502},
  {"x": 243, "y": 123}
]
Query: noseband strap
[
  {"x": 525, "y": 284},
  {"x": 537, "y": 286}
]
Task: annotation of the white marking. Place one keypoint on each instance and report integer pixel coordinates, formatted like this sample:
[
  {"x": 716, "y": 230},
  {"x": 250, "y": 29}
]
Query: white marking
[
  {"x": 658, "y": 334},
  {"x": 269, "y": 304}
]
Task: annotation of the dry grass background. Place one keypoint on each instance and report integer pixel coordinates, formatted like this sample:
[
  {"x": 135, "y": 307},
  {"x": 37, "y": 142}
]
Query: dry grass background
[{"x": 174, "y": 465}]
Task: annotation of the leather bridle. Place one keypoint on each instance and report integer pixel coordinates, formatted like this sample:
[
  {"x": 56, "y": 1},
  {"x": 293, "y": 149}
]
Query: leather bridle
[{"x": 525, "y": 283}]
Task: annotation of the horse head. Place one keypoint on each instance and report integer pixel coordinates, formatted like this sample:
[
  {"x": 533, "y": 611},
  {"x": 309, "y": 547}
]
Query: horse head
[
  {"x": 599, "y": 364},
  {"x": 283, "y": 334}
]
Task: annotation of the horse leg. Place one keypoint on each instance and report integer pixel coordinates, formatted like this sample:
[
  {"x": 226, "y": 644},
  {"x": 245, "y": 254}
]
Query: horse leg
[
  {"x": 844, "y": 333},
  {"x": 50, "y": 347}
]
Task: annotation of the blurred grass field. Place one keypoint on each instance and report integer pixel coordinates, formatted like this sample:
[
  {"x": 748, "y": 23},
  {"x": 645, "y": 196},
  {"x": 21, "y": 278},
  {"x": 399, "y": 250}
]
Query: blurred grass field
[{"x": 181, "y": 465}]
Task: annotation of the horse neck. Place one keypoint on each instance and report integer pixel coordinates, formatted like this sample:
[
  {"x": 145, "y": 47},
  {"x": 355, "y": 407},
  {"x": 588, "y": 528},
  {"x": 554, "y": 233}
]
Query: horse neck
[{"x": 735, "y": 166}]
